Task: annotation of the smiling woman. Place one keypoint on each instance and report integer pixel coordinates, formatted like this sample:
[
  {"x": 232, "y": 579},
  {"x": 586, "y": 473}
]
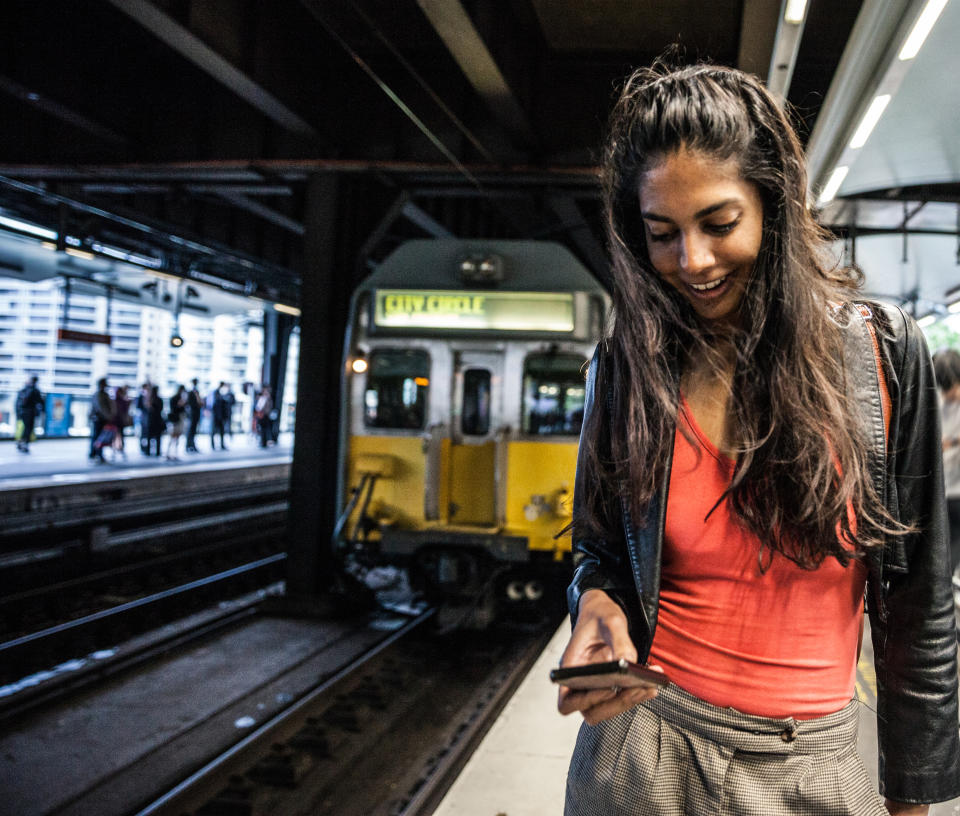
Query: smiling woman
[{"x": 734, "y": 500}]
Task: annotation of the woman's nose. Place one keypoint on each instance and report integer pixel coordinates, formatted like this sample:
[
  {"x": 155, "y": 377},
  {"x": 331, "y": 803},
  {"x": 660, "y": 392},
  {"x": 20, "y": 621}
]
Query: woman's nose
[{"x": 695, "y": 253}]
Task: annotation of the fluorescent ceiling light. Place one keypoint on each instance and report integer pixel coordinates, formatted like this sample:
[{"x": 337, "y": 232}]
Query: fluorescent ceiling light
[
  {"x": 80, "y": 253},
  {"x": 921, "y": 28},
  {"x": 927, "y": 320},
  {"x": 795, "y": 11},
  {"x": 30, "y": 229},
  {"x": 869, "y": 121},
  {"x": 831, "y": 187},
  {"x": 954, "y": 307},
  {"x": 290, "y": 310}
]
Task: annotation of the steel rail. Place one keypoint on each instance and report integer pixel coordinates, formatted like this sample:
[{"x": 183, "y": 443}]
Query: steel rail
[
  {"x": 60, "y": 629},
  {"x": 194, "y": 791}
]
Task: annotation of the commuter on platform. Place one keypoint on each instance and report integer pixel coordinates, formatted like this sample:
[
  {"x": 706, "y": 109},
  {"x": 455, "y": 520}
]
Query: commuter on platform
[
  {"x": 143, "y": 398},
  {"x": 101, "y": 413},
  {"x": 946, "y": 364},
  {"x": 219, "y": 413},
  {"x": 154, "y": 423},
  {"x": 121, "y": 418},
  {"x": 229, "y": 400},
  {"x": 28, "y": 406},
  {"x": 734, "y": 498},
  {"x": 263, "y": 416},
  {"x": 178, "y": 407},
  {"x": 194, "y": 414}
]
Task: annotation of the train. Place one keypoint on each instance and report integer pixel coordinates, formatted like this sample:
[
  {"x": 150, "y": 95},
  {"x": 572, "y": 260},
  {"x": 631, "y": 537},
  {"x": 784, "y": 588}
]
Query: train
[{"x": 463, "y": 395}]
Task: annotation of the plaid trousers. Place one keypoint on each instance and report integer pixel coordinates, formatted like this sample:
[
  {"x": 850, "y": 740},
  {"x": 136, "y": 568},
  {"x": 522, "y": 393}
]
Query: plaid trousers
[{"x": 677, "y": 755}]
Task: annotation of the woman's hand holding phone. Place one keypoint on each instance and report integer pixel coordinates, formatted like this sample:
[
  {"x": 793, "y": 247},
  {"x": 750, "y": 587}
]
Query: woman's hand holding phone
[{"x": 601, "y": 634}]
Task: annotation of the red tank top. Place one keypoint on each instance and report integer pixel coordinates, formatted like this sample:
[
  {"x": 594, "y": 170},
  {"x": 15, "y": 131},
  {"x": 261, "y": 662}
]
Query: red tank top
[{"x": 777, "y": 643}]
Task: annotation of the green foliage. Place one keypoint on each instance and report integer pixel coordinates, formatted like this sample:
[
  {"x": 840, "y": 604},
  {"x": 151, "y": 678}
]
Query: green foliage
[{"x": 942, "y": 335}]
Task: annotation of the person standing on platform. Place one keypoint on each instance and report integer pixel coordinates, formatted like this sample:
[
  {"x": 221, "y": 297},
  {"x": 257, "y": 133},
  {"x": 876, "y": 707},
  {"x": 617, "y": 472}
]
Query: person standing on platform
[
  {"x": 194, "y": 413},
  {"x": 121, "y": 419},
  {"x": 29, "y": 406},
  {"x": 141, "y": 402},
  {"x": 218, "y": 417},
  {"x": 101, "y": 413},
  {"x": 178, "y": 406},
  {"x": 155, "y": 425},
  {"x": 263, "y": 416},
  {"x": 229, "y": 400},
  {"x": 736, "y": 496},
  {"x": 946, "y": 364}
]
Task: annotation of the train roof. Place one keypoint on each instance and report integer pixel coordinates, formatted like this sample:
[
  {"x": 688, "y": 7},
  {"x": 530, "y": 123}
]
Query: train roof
[{"x": 528, "y": 266}]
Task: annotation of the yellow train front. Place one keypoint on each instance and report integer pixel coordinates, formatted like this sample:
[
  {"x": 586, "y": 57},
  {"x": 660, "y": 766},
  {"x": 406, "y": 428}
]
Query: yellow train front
[{"x": 464, "y": 388}]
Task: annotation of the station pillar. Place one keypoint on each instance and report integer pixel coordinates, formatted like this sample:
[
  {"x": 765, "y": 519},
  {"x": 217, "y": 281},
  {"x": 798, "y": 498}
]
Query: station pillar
[
  {"x": 276, "y": 343},
  {"x": 324, "y": 306}
]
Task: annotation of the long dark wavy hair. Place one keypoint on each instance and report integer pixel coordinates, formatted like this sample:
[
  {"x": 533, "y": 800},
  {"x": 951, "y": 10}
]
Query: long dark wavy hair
[{"x": 801, "y": 455}]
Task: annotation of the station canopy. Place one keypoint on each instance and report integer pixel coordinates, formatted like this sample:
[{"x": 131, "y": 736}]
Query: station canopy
[{"x": 184, "y": 134}]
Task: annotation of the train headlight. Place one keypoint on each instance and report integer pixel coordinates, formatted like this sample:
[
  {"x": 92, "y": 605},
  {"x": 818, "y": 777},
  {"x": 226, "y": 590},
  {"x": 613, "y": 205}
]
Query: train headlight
[{"x": 482, "y": 269}]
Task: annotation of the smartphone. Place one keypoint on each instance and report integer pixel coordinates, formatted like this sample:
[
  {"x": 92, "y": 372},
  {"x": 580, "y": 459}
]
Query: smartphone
[{"x": 621, "y": 673}]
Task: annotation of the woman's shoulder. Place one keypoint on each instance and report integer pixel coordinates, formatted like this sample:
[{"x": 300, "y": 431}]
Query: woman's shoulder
[{"x": 899, "y": 337}]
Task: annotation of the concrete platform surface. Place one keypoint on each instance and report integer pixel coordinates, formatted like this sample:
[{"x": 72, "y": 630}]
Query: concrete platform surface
[{"x": 520, "y": 767}]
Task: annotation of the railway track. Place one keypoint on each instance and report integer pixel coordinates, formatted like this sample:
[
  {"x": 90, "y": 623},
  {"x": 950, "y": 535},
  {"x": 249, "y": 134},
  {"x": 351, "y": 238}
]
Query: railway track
[
  {"x": 97, "y": 563},
  {"x": 385, "y": 737}
]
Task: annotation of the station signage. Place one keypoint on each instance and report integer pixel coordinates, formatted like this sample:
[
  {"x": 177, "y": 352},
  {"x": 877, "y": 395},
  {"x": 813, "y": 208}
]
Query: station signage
[
  {"x": 474, "y": 310},
  {"x": 74, "y": 336}
]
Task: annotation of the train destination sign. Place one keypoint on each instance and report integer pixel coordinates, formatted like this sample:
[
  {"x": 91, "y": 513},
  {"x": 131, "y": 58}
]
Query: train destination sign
[{"x": 474, "y": 311}]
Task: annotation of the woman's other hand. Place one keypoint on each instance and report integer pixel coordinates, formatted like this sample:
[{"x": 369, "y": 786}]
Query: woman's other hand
[{"x": 601, "y": 634}]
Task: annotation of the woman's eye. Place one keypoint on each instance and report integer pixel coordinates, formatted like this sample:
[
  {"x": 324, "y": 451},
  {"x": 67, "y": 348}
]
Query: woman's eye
[
  {"x": 723, "y": 229},
  {"x": 661, "y": 236}
]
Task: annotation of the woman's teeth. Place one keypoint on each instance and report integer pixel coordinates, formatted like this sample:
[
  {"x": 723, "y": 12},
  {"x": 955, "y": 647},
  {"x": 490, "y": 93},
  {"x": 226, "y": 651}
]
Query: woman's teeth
[{"x": 706, "y": 287}]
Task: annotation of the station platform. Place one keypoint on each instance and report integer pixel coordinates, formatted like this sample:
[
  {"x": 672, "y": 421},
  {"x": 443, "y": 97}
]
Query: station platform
[
  {"x": 59, "y": 461},
  {"x": 520, "y": 767}
]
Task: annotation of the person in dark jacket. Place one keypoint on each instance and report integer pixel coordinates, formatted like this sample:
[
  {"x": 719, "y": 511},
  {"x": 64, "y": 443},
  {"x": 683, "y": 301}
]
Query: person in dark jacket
[
  {"x": 155, "y": 424},
  {"x": 178, "y": 407},
  {"x": 29, "y": 406},
  {"x": 758, "y": 450},
  {"x": 101, "y": 413},
  {"x": 219, "y": 416},
  {"x": 194, "y": 414}
]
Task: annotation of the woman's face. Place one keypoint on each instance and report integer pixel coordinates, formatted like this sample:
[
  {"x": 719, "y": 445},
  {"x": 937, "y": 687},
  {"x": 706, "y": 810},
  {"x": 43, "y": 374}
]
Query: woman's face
[{"x": 703, "y": 224}]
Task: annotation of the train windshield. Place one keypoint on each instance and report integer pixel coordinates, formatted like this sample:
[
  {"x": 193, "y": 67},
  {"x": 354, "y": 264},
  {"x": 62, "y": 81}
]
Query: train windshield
[
  {"x": 396, "y": 395},
  {"x": 553, "y": 393}
]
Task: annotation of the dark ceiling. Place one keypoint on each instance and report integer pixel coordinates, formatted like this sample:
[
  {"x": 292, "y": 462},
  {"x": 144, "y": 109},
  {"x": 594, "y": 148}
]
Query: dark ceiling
[{"x": 187, "y": 129}]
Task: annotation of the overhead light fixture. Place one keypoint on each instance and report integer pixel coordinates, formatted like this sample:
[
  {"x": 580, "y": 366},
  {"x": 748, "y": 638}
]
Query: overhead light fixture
[
  {"x": 80, "y": 253},
  {"x": 795, "y": 11},
  {"x": 130, "y": 257},
  {"x": 869, "y": 121},
  {"x": 290, "y": 310},
  {"x": 926, "y": 320},
  {"x": 176, "y": 340},
  {"x": 921, "y": 28},
  {"x": 954, "y": 307},
  {"x": 833, "y": 184},
  {"x": 30, "y": 229},
  {"x": 359, "y": 365}
]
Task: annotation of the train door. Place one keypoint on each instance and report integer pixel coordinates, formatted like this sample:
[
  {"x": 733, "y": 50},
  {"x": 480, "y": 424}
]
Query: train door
[{"x": 477, "y": 417}]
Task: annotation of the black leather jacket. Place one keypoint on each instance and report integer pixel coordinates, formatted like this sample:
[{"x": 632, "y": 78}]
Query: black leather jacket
[{"x": 909, "y": 595}]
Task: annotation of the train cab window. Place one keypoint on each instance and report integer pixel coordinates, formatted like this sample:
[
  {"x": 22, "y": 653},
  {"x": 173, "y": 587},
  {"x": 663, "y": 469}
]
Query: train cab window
[
  {"x": 475, "y": 419},
  {"x": 396, "y": 395},
  {"x": 553, "y": 394}
]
